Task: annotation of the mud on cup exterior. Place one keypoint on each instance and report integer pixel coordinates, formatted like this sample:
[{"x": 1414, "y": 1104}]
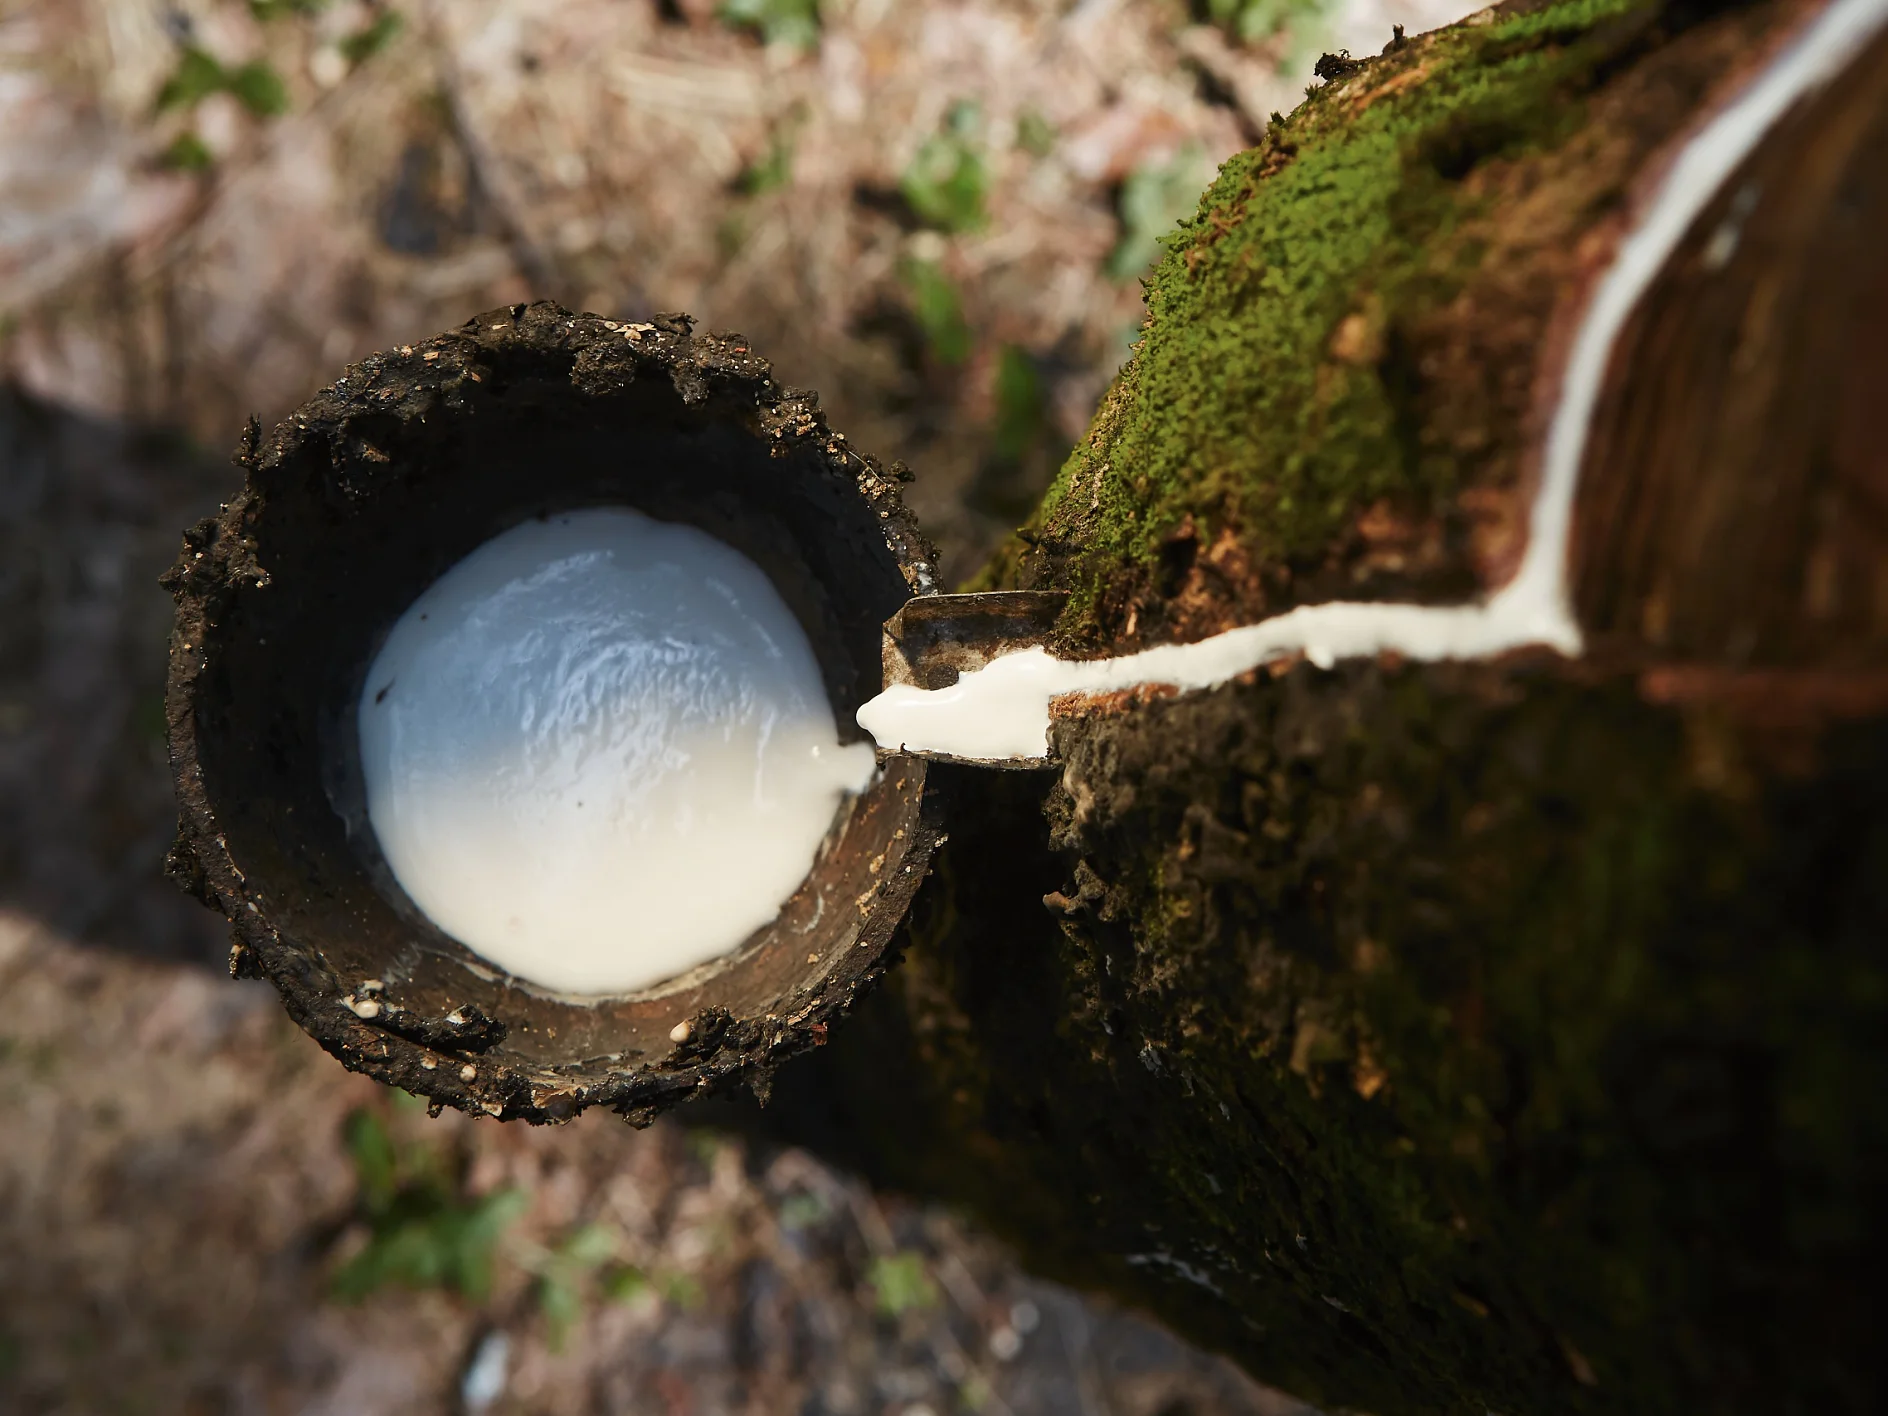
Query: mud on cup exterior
[{"x": 355, "y": 507}]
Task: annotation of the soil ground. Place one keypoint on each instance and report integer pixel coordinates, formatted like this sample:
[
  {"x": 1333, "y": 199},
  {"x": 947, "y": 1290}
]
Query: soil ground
[{"x": 184, "y": 1184}]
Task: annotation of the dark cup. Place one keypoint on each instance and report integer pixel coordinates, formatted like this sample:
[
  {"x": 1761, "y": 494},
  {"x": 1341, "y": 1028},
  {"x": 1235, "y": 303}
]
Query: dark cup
[{"x": 359, "y": 501}]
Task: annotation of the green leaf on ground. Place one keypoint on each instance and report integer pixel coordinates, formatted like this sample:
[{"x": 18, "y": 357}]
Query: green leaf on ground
[
  {"x": 266, "y": 10},
  {"x": 771, "y": 172},
  {"x": 1035, "y": 135},
  {"x": 187, "y": 153},
  {"x": 1251, "y": 21},
  {"x": 370, "y": 39},
  {"x": 794, "y": 22},
  {"x": 376, "y": 1166},
  {"x": 423, "y": 1232},
  {"x": 902, "y": 1284},
  {"x": 681, "y": 1290},
  {"x": 622, "y": 1282},
  {"x": 1155, "y": 198},
  {"x": 1021, "y": 404},
  {"x": 803, "y": 1210},
  {"x": 563, "y": 1275},
  {"x": 259, "y": 89},
  {"x": 946, "y": 182},
  {"x": 429, "y": 1241},
  {"x": 939, "y": 311},
  {"x": 196, "y": 77}
]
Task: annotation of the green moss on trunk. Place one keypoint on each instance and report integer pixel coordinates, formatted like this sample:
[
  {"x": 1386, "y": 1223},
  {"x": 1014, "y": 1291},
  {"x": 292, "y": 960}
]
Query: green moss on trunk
[{"x": 1334, "y": 393}]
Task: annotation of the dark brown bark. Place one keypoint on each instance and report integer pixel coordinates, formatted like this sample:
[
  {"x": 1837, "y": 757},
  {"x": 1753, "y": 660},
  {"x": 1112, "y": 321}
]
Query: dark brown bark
[{"x": 357, "y": 502}]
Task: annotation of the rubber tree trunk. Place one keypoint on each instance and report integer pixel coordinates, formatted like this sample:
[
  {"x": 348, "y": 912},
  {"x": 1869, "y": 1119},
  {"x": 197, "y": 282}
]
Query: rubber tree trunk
[{"x": 1506, "y": 1035}]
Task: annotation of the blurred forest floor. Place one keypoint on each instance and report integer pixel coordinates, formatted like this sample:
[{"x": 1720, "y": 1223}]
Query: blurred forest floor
[{"x": 933, "y": 213}]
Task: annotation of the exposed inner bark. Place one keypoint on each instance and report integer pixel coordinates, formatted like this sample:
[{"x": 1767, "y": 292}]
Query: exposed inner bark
[{"x": 1734, "y": 501}]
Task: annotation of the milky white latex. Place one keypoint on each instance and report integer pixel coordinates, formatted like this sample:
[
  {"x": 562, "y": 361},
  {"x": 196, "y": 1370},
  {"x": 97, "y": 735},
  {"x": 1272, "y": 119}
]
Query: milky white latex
[
  {"x": 1002, "y": 710},
  {"x": 598, "y": 751}
]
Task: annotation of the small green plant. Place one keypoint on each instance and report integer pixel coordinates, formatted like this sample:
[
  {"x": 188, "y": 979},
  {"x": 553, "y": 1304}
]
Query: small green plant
[
  {"x": 41, "y": 1058},
  {"x": 1021, "y": 405},
  {"x": 259, "y": 89},
  {"x": 706, "y": 1145},
  {"x": 794, "y": 22},
  {"x": 256, "y": 85},
  {"x": 1035, "y": 135},
  {"x": 266, "y": 10},
  {"x": 565, "y": 1273},
  {"x": 901, "y": 1284},
  {"x": 187, "y": 153},
  {"x": 621, "y": 1283},
  {"x": 938, "y": 310},
  {"x": 423, "y": 1231},
  {"x": 803, "y": 1210},
  {"x": 198, "y": 75},
  {"x": 770, "y": 172},
  {"x": 1250, "y": 21},
  {"x": 680, "y": 1290},
  {"x": 1154, "y": 197},
  {"x": 973, "y": 1394},
  {"x": 1021, "y": 454},
  {"x": 371, "y": 38},
  {"x": 11, "y": 1356},
  {"x": 731, "y": 234},
  {"x": 946, "y": 181}
]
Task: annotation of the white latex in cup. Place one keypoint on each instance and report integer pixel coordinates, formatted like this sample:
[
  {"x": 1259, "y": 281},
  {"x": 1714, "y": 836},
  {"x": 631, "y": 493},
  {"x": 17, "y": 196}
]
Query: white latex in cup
[{"x": 598, "y": 751}]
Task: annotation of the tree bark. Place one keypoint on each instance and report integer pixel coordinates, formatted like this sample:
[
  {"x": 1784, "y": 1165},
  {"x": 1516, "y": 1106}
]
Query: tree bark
[{"x": 1505, "y": 1035}]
